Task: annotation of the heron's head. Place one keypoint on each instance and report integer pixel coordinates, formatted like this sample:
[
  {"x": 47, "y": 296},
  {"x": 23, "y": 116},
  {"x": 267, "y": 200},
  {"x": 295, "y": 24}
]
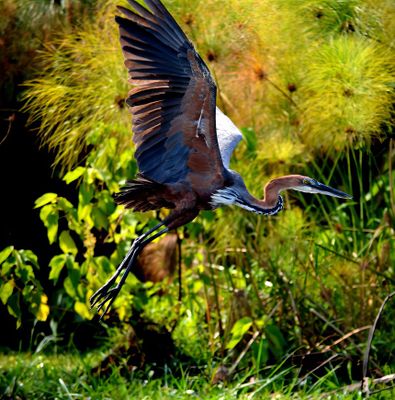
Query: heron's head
[{"x": 310, "y": 185}]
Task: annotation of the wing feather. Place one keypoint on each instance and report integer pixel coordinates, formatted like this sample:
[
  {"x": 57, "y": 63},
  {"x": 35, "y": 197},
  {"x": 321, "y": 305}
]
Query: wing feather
[{"x": 172, "y": 101}]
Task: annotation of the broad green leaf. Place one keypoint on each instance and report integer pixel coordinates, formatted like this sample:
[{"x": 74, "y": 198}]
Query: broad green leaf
[
  {"x": 93, "y": 174},
  {"x": 73, "y": 272},
  {"x": 106, "y": 202},
  {"x": 45, "y": 199},
  {"x": 57, "y": 263},
  {"x": 83, "y": 310},
  {"x": 65, "y": 205},
  {"x": 103, "y": 265},
  {"x": 50, "y": 216},
  {"x": 85, "y": 266},
  {"x": 85, "y": 194},
  {"x": 45, "y": 212},
  {"x": 4, "y": 254},
  {"x": 71, "y": 214},
  {"x": 84, "y": 213},
  {"x": 25, "y": 272},
  {"x": 99, "y": 218},
  {"x": 6, "y": 290},
  {"x": 18, "y": 260},
  {"x": 241, "y": 326},
  {"x": 239, "y": 329},
  {"x": 29, "y": 257},
  {"x": 74, "y": 174},
  {"x": 74, "y": 275},
  {"x": 69, "y": 287},
  {"x": 67, "y": 243},
  {"x": 81, "y": 290},
  {"x": 53, "y": 227},
  {"x": 7, "y": 266}
]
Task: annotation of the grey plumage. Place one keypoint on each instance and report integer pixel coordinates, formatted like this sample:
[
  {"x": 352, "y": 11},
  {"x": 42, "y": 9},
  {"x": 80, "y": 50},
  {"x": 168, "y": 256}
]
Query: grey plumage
[{"x": 228, "y": 136}]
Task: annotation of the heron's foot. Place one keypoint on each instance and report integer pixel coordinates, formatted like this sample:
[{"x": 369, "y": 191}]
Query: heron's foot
[
  {"x": 102, "y": 292},
  {"x": 108, "y": 299},
  {"x": 106, "y": 295},
  {"x": 108, "y": 292}
]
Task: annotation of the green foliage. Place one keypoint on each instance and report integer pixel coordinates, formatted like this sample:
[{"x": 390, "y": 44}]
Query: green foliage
[
  {"x": 294, "y": 93},
  {"x": 64, "y": 376},
  {"x": 239, "y": 329},
  {"x": 19, "y": 285},
  {"x": 333, "y": 17},
  {"x": 349, "y": 92},
  {"x": 24, "y": 27},
  {"x": 92, "y": 222},
  {"x": 97, "y": 88}
]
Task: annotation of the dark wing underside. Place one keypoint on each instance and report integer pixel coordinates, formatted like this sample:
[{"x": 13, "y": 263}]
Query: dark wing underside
[{"x": 173, "y": 100}]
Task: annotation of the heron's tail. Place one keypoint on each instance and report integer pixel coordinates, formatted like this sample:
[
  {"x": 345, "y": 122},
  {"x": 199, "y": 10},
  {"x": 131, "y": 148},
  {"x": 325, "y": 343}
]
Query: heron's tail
[{"x": 141, "y": 194}]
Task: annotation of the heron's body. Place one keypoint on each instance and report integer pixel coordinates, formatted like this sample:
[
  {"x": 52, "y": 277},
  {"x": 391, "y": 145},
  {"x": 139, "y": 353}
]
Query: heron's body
[{"x": 183, "y": 142}]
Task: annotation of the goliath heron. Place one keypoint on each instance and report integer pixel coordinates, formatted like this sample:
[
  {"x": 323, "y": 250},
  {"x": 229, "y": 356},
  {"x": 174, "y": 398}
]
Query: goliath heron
[{"x": 183, "y": 141}]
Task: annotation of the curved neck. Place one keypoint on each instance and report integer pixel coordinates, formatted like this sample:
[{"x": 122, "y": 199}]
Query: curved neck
[
  {"x": 269, "y": 205},
  {"x": 236, "y": 193},
  {"x": 272, "y": 202}
]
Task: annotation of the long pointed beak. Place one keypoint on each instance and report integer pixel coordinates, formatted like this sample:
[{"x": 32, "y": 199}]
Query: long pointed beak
[{"x": 318, "y": 187}]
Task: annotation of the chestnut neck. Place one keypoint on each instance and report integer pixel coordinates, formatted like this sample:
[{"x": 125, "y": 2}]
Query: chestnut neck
[{"x": 272, "y": 201}]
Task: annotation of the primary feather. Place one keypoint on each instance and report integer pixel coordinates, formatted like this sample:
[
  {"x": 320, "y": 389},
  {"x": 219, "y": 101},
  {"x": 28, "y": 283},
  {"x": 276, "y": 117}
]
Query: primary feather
[{"x": 173, "y": 101}]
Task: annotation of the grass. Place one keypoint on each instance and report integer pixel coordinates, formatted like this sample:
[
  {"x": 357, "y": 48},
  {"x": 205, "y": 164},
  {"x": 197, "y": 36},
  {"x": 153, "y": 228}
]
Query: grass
[{"x": 68, "y": 376}]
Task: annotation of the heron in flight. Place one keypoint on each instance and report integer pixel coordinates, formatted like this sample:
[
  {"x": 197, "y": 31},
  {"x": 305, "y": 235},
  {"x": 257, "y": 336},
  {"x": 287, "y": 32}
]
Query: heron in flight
[{"x": 183, "y": 141}]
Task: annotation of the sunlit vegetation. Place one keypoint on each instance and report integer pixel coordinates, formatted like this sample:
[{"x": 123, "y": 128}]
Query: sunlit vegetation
[
  {"x": 311, "y": 85},
  {"x": 70, "y": 376},
  {"x": 25, "y": 27}
]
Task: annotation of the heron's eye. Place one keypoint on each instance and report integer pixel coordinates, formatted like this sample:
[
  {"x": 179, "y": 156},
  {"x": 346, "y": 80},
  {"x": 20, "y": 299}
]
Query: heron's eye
[{"x": 306, "y": 181}]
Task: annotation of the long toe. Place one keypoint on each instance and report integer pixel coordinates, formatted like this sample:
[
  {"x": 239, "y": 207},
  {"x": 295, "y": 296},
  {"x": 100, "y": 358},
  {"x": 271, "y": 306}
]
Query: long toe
[
  {"x": 99, "y": 295},
  {"x": 110, "y": 296}
]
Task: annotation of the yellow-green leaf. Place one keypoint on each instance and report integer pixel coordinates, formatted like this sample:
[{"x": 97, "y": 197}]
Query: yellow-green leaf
[
  {"x": 45, "y": 199},
  {"x": 240, "y": 328},
  {"x": 67, "y": 244},
  {"x": 53, "y": 229},
  {"x": 5, "y": 253},
  {"x": 6, "y": 290},
  {"x": 99, "y": 218},
  {"x": 84, "y": 213},
  {"x": 50, "y": 216},
  {"x": 69, "y": 287},
  {"x": 83, "y": 310},
  {"x": 74, "y": 174},
  {"x": 56, "y": 264}
]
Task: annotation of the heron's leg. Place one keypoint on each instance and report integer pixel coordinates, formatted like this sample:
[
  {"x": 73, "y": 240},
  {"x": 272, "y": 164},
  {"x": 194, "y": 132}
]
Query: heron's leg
[
  {"x": 179, "y": 269},
  {"x": 107, "y": 293},
  {"x": 102, "y": 292},
  {"x": 113, "y": 292}
]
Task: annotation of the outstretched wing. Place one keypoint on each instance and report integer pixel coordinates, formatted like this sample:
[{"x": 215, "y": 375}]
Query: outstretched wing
[
  {"x": 228, "y": 135},
  {"x": 173, "y": 101}
]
